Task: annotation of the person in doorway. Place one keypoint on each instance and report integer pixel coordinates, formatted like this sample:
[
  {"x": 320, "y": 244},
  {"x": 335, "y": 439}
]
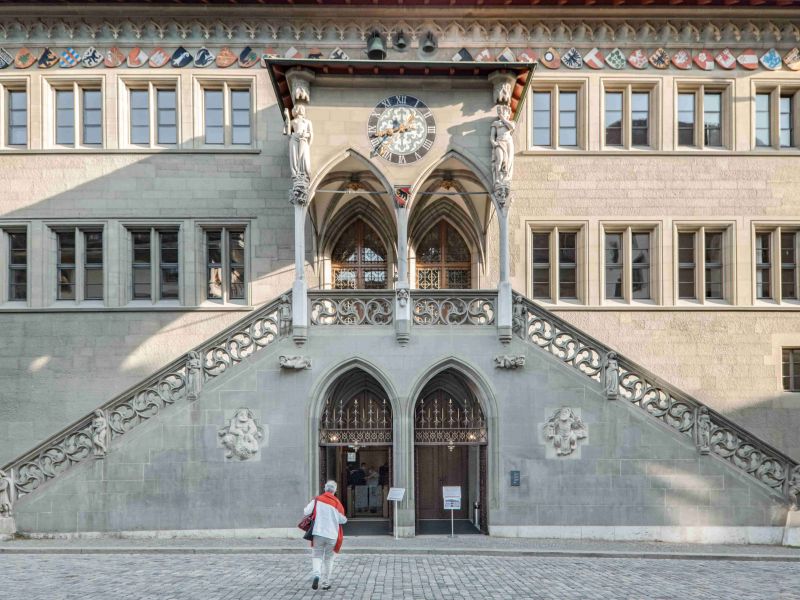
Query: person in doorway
[{"x": 328, "y": 536}]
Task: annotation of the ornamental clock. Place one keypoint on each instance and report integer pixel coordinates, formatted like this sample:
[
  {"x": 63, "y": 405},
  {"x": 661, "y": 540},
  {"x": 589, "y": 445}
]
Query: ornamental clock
[{"x": 401, "y": 129}]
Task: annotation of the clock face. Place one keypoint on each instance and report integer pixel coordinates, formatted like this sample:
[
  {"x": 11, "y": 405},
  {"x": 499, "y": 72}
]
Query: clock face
[{"x": 401, "y": 129}]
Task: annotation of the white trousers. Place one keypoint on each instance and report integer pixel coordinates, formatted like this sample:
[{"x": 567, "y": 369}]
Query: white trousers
[{"x": 322, "y": 557}]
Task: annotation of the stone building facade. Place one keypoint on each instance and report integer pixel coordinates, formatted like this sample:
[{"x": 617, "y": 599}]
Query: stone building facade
[{"x": 162, "y": 195}]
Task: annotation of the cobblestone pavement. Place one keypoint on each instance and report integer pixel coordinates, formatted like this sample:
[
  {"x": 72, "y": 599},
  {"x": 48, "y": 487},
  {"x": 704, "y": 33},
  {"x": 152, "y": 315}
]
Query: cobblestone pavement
[{"x": 272, "y": 577}]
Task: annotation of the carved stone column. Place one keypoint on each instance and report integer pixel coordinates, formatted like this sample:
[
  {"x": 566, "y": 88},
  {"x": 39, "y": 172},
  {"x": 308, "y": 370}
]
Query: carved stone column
[
  {"x": 502, "y": 146},
  {"x": 402, "y": 308},
  {"x": 301, "y": 135}
]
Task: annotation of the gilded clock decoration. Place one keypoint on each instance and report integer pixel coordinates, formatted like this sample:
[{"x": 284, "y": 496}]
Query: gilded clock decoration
[{"x": 401, "y": 129}]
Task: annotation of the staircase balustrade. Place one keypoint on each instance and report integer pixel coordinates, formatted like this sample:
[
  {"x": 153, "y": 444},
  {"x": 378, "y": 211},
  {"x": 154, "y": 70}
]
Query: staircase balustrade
[
  {"x": 351, "y": 307},
  {"x": 453, "y": 307}
]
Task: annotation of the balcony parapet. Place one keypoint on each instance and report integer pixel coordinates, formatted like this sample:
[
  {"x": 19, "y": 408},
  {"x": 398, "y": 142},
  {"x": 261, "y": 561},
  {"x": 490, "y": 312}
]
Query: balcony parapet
[{"x": 453, "y": 307}]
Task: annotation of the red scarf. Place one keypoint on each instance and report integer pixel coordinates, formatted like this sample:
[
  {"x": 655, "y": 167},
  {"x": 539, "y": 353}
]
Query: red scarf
[{"x": 330, "y": 499}]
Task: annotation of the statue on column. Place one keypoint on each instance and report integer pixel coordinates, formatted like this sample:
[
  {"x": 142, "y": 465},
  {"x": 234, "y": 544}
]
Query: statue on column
[
  {"x": 793, "y": 486},
  {"x": 99, "y": 434},
  {"x": 611, "y": 376},
  {"x": 301, "y": 136},
  {"x": 6, "y": 495},
  {"x": 194, "y": 375},
  {"x": 501, "y": 137},
  {"x": 703, "y": 427}
]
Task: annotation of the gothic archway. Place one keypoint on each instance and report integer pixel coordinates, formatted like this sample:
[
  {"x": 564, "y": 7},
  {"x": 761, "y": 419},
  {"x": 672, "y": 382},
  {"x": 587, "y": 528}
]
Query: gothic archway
[
  {"x": 443, "y": 259},
  {"x": 359, "y": 259}
]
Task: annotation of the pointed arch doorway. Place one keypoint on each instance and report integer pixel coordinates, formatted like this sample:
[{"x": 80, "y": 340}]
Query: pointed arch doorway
[
  {"x": 450, "y": 449},
  {"x": 355, "y": 450}
]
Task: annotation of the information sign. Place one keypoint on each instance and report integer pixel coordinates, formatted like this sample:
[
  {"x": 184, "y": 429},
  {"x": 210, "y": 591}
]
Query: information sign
[{"x": 396, "y": 494}]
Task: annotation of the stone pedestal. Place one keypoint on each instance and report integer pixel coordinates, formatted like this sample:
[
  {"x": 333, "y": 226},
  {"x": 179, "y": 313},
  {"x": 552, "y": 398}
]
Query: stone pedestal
[
  {"x": 8, "y": 527},
  {"x": 791, "y": 534},
  {"x": 299, "y": 312}
]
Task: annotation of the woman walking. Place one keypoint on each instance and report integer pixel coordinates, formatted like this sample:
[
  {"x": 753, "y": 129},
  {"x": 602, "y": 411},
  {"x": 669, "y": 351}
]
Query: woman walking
[{"x": 329, "y": 517}]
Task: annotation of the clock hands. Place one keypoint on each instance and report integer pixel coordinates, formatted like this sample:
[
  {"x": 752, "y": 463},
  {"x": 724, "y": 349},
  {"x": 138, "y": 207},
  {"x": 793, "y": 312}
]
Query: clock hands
[{"x": 385, "y": 134}]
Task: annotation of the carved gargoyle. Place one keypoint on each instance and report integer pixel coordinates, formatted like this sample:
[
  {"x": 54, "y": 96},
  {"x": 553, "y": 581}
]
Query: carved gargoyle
[{"x": 295, "y": 362}]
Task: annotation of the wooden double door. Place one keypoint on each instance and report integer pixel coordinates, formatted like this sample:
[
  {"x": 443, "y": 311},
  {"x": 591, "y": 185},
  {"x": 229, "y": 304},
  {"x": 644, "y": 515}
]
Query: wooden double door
[{"x": 436, "y": 466}]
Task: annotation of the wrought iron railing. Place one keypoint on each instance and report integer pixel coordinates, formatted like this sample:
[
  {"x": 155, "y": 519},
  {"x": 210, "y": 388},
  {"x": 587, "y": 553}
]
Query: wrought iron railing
[
  {"x": 712, "y": 432},
  {"x": 351, "y": 307},
  {"x": 179, "y": 380},
  {"x": 453, "y": 307}
]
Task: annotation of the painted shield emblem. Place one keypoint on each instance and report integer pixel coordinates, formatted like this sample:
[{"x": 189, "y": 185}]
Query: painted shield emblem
[
  {"x": 572, "y": 59},
  {"x": 660, "y": 59},
  {"x": 748, "y": 59},
  {"x": 69, "y": 58},
  {"x": 638, "y": 59},
  {"x": 91, "y": 57},
  {"x": 158, "y": 58},
  {"x": 24, "y": 58},
  {"x": 315, "y": 53},
  {"x": 248, "y": 57},
  {"x": 137, "y": 57},
  {"x": 792, "y": 59},
  {"x": 47, "y": 59},
  {"x": 616, "y": 59},
  {"x": 292, "y": 53},
  {"x": 6, "y": 60},
  {"x": 462, "y": 55},
  {"x": 594, "y": 59},
  {"x": 225, "y": 58},
  {"x": 506, "y": 55},
  {"x": 114, "y": 58},
  {"x": 204, "y": 58},
  {"x": 725, "y": 59},
  {"x": 704, "y": 60},
  {"x": 528, "y": 56},
  {"x": 484, "y": 56},
  {"x": 551, "y": 58},
  {"x": 682, "y": 59},
  {"x": 771, "y": 60},
  {"x": 339, "y": 54},
  {"x": 181, "y": 58}
]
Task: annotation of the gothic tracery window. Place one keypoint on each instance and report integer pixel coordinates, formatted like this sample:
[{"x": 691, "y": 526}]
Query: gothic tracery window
[
  {"x": 443, "y": 259},
  {"x": 359, "y": 259}
]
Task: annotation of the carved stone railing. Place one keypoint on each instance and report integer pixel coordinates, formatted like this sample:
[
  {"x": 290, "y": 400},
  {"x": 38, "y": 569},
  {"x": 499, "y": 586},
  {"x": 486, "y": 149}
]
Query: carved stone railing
[
  {"x": 453, "y": 307},
  {"x": 180, "y": 380},
  {"x": 351, "y": 307},
  {"x": 622, "y": 378}
]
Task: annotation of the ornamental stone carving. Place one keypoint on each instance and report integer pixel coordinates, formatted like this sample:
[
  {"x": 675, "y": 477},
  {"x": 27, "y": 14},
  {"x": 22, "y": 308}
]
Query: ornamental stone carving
[
  {"x": 301, "y": 136},
  {"x": 403, "y": 295},
  {"x": 194, "y": 375},
  {"x": 242, "y": 436},
  {"x": 793, "y": 489},
  {"x": 99, "y": 434},
  {"x": 519, "y": 317},
  {"x": 509, "y": 361},
  {"x": 284, "y": 316},
  {"x": 563, "y": 430},
  {"x": 703, "y": 427},
  {"x": 501, "y": 138},
  {"x": 6, "y": 495},
  {"x": 295, "y": 362},
  {"x": 611, "y": 376},
  {"x": 300, "y": 84}
]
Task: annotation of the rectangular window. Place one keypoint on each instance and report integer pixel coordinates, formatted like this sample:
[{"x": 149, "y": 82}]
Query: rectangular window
[
  {"x": 555, "y": 264},
  {"x": 92, "y": 118},
  {"x": 791, "y": 369},
  {"x": 240, "y": 116},
  {"x": 687, "y": 264},
  {"x": 640, "y": 118},
  {"x": 567, "y": 265},
  {"x": 763, "y": 265},
  {"x": 786, "y": 124},
  {"x": 713, "y": 265},
  {"x": 613, "y": 120},
  {"x": 66, "y": 265},
  {"x": 614, "y": 266},
  {"x": 790, "y": 240},
  {"x": 541, "y": 265},
  {"x": 17, "y": 266},
  {"x": 17, "y": 118},
  {"x": 65, "y": 117},
  {"x": 541, "y": 119},
  {"x": 225, "y": 264},
  {"x": 568, "y": 119},
  {"x": 686, "y": 124},
  {"x": 214, "y": 117},
  {"x": 140, "y": 117},
  {"x": 93, "y": 265},
  {"x": 141, "y": 262},
  {"x": 640, "y": 265},
  {"x": 167, "y": 111},
  {"x": 712, "y": 119},
  {"x": 763, "y": 120},
  {"x": 168, "y": 254}
]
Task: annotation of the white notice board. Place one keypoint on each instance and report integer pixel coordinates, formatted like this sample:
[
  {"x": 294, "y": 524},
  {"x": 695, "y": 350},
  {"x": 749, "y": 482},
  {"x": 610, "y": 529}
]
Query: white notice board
[
  {"x": 396, "y": 494},
  {"x": 452, "y": 497}
]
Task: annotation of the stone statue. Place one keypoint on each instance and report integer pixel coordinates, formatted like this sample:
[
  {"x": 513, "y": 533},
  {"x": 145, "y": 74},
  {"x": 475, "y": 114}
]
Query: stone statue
[
  {"x": 703, "y": 428},
  {"x": 403, "y": 294},
  {"x": 502, "y": 92},
  {"x": 509, "y": 361},
  {"x": 301, "y": 136},
  {"x": 242, "y": 435},
  {"x": 793, "y": 488},
  {"x": 563, "y": 430},
  {"x": 284, "y": 316},
  {"x": 295, "y": 362},
  {"x": 194, "y": 375},
  {"x": 611, "y": 376},
  {"x": 520, "y": 316},
  {"x": 99, "y": 434},
  {"x": 502, "y": 148},
  {"x": 6, "y": 495}
]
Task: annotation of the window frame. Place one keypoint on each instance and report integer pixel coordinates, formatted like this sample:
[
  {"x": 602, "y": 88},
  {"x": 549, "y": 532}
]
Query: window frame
[
  {"x": 151, "y": 85},
  {"x": 627, "y": 230},
  {"x": 776, "y": 90},
  {"x": 728, "y": 250},
  {"x": 700, "y": 89},
  {"x": 77, "y": 85},
  {"x": 154, "y": 231},
  {"x": 225, "y": 228},
  {"x": 775, "y": 232},
  {"x": 554, "y": 88},
  {"x": 628, "y": 88},
  {"x": 5, "y": 260},
  {"x": 80, "y": 265},
  {"x": 7, "y": 87},
  {"x": 553, "y": 229},
  {"x": 793, "y": 355},
  {"x": 227, "y": 85}
]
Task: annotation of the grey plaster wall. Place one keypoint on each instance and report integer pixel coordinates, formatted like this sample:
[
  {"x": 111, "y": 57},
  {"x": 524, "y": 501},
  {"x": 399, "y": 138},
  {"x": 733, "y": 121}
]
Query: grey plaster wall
[{"x": 171, "y": 473}]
